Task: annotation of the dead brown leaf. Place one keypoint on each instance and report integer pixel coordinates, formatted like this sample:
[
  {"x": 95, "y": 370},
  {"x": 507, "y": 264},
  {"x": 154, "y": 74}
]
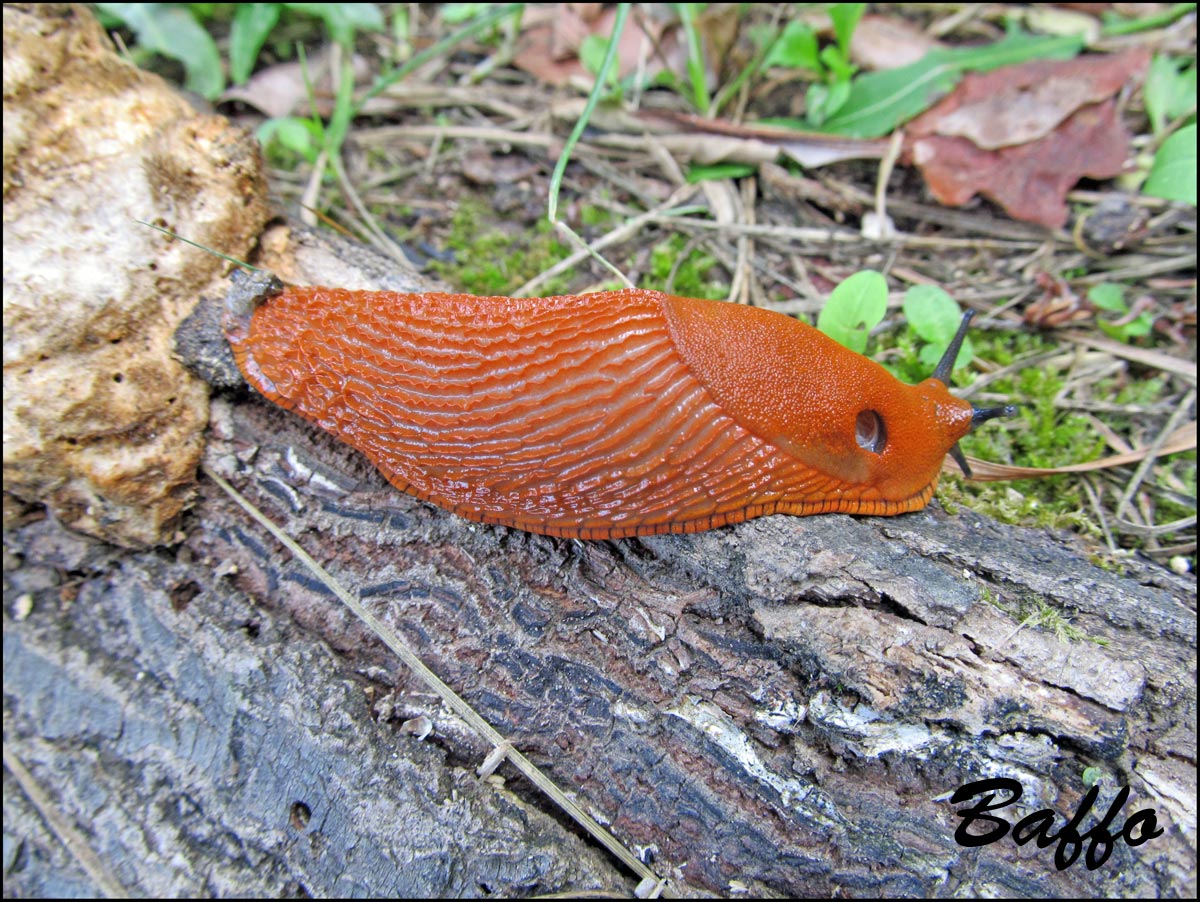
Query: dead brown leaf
[
  {"x": 1024, "y": 135},
  {"x": 280, "y": 90},
  {"x": 1030, "y": 181},
  {"x": 1182, "y": 439},
  {"x": 887, "y": 42},
  {"x": 1018, "y": 104}
]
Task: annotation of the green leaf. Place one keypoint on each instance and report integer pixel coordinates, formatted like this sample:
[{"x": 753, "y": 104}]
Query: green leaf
[
  {"x": 252, "y": 23},
  {"x": 839, "y": 66},
  {"x": 696, "y": 69},
  {"x": 823, "y": 100},
  {"x": 816, "y": 101},
  {"x": 1170, "y": 90},
  {"x": 715, "y": 171},
  {"x": 845, "y": 18},
  {"x": 1184, "y": 97},
  {"x": 1107, "y": 296},
  {"x": 796, "y": 48},
  {"x": 592, "y": 50},
  {"x": 854, "y": 308},
  {"x": 1135, "y": 328},
  {"x": 1116, "y": 25},
  {"x": 343, "y": 110},
  {"x": 935, "y": 316},
  {"x": 173, "y": 31},
  {"x": 1110, "y": 297},
  {"x": 300, "y": 136},
  {"x": 108, "y": 20},
  {"x": 1173, "y": 175},
  {"x": 879, "y": 101},
  {"x": 610, "y": 60},
  {"x": 455, "y": 13},
  {"x": 343, "y": 19}
]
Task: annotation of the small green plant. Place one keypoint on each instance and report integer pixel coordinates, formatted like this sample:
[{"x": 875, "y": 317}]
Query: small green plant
[
  {"x": 854, "y": 308},
  {"x": 177, "y": 31},
  {"x": 935, "y": 317},
  {"x": 696, "y": 67},
  {"x": 859, "y": 304},
  {"x": 1170, "y": 93},
  {"x": 1111, "y": 298},
  {"x": 488, "y": 261},
  {"x": 1170, "y": 90},
  {"x": 170, "y": 30},
  {"x": 283, "y": 137},
  {"x": 797, "y": 48},
  {"x": 1173, "y": 173},
  {"x": 592, "y": 54},
  {"x": 877, "y": 102}
]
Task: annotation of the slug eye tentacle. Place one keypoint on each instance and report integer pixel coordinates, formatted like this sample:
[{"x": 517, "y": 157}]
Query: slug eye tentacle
[
  {"x": 961, "y": 460},
  {"x": 980, "y": 415},
  {"x": 946, "y": 364},
  {"x": 983, "y": 414}
]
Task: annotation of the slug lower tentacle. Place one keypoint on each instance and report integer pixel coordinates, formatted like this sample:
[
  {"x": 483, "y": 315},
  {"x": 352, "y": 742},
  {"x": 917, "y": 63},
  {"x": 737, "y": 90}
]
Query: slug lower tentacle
[{"x": 603, "y": 415}]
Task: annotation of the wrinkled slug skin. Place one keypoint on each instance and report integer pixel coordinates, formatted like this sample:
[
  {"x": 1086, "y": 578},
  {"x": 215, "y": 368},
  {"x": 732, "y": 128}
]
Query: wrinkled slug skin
[{"x": 599, "y": 416}]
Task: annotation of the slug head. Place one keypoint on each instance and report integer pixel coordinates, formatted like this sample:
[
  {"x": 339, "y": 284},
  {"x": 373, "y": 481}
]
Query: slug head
[{"x": 878, "y": 443}]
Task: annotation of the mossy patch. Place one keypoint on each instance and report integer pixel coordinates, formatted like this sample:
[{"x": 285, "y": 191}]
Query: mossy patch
[
  {"x": 491, "y": 257},
  {"x": 688, "y": 273}
]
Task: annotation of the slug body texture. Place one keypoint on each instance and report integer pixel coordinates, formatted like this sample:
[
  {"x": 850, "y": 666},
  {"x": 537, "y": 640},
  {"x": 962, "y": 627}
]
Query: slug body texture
[{"x": 603, "y": 415}]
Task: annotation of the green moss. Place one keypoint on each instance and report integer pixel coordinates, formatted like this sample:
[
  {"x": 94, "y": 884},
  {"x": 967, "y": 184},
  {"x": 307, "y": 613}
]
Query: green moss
[
  {"x": 903, "y": 358},
  {"x": 597, "y": 218},
  {"x": 1041, "y": 436},
  {"x": 1107, "y": 562},
  {"x": 1052, "y": 503},
  {"x": 1145, "y": 391},
  {"x": 1034, "y": 612},
  {"x": 492, "y": 257},
  {"x": 694, "y": 276},
  {"x": 987, "y": 596}
]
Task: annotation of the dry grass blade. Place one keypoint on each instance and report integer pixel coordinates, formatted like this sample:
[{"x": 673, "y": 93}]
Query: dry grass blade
[
  {"x": 449, "y": 697},
  {"x": 1156, "y": 449},
  {"x": 74, "y": 841},
  {"x": 1168, "y": 363},
  {"x": 1180, "y": 439},
  {"x": 624, "y": 232}
]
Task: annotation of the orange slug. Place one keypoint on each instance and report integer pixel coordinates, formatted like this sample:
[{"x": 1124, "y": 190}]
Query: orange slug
[{"x": 602, "y": 415}]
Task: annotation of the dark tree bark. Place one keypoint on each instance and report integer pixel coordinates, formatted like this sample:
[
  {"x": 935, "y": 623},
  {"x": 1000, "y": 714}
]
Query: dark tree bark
[{"x": 784, "y": 706}]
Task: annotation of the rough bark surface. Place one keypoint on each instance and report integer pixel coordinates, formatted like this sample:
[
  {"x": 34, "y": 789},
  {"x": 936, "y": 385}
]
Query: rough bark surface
[{"x": 779, "y": 707}]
